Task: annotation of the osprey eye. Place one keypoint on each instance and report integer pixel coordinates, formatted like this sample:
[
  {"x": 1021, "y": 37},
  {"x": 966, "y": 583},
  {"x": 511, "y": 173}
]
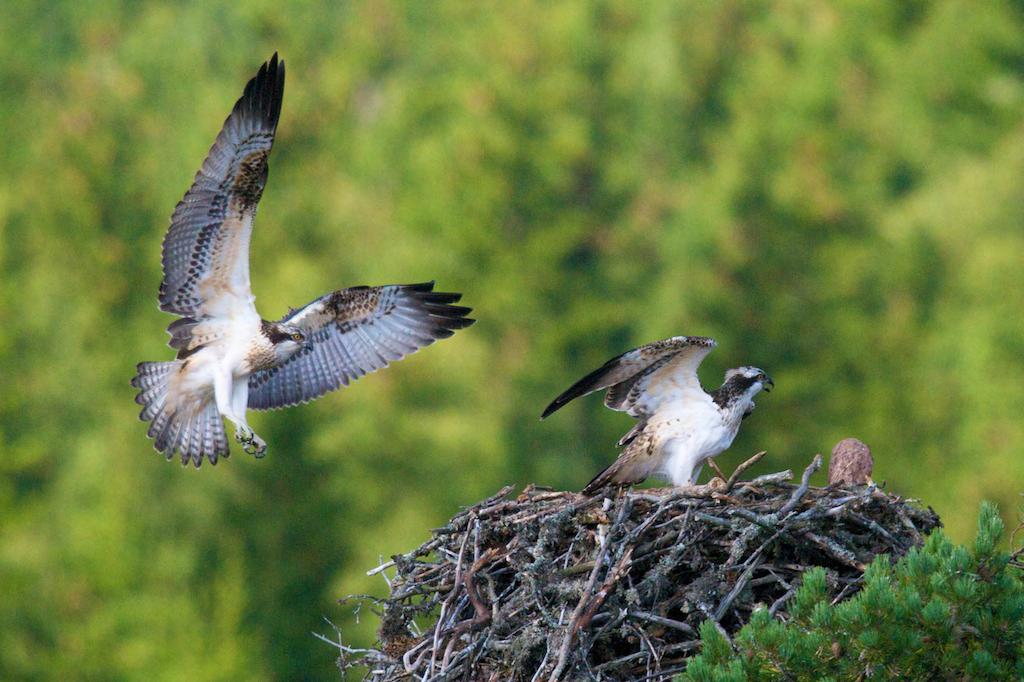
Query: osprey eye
[{"x": 296, "y": 337}]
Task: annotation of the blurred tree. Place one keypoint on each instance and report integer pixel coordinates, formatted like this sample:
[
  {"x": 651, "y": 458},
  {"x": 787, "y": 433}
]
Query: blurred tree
[{"x": 828, "y": 187}]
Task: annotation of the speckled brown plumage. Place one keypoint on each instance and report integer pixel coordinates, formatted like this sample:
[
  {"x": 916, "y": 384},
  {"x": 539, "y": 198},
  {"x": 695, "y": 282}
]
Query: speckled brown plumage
[
  {"x": 851, "y": 463},
  {"x": 251, "y": 177},
  {"x": 635, "y": 463},
  {"x": 354, "y": 303},
  {"x": 261, "y": 354},
  {"x": 210, "y": 227},
  {"x": 622, "y": 374},
  {"x": 351, "y": 332}
]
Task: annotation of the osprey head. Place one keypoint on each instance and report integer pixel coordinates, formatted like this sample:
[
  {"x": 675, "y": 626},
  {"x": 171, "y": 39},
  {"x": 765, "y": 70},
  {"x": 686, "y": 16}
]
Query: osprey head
[
  {"x": 287, "y": 339},
  {"x": 748, "y": 378},
  {"x": 739, "y": 388}
]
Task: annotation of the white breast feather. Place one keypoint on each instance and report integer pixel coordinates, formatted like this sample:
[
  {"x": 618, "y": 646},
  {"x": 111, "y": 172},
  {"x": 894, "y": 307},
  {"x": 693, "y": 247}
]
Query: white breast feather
[{"x": 690, "y": 428}]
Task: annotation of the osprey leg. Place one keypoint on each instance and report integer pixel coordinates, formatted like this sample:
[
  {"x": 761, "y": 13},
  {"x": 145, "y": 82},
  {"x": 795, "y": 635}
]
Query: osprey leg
[
  {"x": 252, "y": 443},
  {"x": 231, "y": 399}
]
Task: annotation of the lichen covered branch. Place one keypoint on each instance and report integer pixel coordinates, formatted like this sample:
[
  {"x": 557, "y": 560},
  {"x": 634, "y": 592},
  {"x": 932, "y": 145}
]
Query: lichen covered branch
[{"x": 558, "y": 586}]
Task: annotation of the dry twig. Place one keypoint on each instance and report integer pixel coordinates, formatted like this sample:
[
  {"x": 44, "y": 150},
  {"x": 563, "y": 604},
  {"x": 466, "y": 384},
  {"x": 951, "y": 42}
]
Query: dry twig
[{"x": 557, "y": 586}]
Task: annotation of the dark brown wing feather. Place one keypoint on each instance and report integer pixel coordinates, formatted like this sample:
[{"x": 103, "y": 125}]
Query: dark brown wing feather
[
  {"x": 352, "y": 332},
  {"x": 206, "y": 250},
  {"x": 622, "y": 372}
]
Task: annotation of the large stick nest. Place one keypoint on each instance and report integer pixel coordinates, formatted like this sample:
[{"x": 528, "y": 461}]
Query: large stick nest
[{"x": 556, "y": 585}]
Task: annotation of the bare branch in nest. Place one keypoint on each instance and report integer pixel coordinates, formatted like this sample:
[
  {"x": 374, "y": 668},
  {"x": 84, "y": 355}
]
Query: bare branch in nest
[
  {"x": 805, "y": 482},
  {"x": 743, "y": 467},
  {"x": 714, "y": 466},
  {"x": 559, "y": 586}
]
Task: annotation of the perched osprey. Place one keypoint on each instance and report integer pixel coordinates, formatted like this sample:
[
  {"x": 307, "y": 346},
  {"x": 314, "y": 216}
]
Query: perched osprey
[
  {"x": 229, "y": 358},
  {"x": 680, "y": 424}
]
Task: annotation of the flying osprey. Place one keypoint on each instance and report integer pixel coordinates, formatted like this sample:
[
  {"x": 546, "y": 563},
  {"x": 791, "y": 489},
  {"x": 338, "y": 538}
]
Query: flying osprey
[
  {"x": 680, "y": 424},
  {"x": 229, "y": 358}
]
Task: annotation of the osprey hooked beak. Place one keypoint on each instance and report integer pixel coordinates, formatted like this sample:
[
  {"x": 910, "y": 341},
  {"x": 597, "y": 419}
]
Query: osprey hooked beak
[{"x": 766, "y": 383}]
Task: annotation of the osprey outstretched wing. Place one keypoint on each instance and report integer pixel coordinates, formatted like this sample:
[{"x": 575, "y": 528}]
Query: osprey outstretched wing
[
  {"x": 229, "y": 358},
  {"x": 634, "y": 379},
  {"x": 352, "y": 332},
  {"x": 206, "y": 250}
]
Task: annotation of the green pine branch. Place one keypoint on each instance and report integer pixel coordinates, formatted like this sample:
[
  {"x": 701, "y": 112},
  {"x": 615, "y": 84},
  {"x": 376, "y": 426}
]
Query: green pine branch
[{"x": 944, "y": 611}]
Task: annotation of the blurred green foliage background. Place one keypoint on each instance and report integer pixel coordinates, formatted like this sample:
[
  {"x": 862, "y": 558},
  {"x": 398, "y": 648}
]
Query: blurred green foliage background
[{"x": 831, "y": 189}]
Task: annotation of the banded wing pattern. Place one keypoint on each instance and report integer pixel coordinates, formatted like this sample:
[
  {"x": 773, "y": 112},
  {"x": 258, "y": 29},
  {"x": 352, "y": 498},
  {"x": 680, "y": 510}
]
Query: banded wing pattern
[
  {"x": 352, "y": 332},
  {"x": 206, "y": 250},
  {"x": 629, "y": 376}
]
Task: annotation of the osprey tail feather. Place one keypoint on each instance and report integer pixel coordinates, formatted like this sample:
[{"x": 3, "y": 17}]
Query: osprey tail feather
[
  {"x": 623, "y": 471},
  {"x": 194, "y": 431},
  {"x": 632, "y": 466}
]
